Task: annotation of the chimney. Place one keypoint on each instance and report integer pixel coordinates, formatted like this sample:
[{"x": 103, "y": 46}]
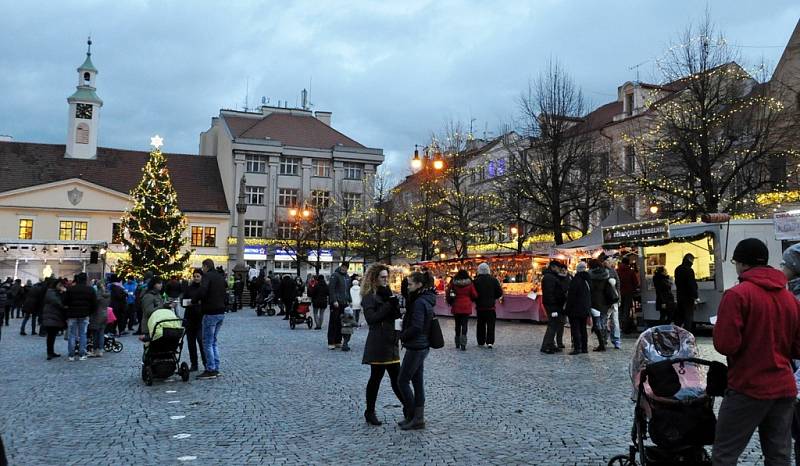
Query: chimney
[{"x": 324, "y": 117}]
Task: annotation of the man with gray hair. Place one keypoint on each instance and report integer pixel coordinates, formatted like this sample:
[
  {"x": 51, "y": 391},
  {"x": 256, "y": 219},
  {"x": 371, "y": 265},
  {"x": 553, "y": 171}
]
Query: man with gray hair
[{"x": 489, "y": 291}]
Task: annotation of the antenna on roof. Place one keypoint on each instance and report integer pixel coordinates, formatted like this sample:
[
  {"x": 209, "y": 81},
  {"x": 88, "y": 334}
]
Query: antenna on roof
[
  {"x": 263, "y": 100},
  {"x": 247, "y": 94},
  {"x": 304, "y": 99},
  {"x": 636, "y": 67}
]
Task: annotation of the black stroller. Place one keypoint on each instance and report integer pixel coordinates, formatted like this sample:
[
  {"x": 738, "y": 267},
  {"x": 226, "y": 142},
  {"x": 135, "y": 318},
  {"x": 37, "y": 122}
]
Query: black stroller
[
  {"x": 266, "y": 305},
  {"x": 674, "y": 394},
  {"x": 163, "y": 354}
]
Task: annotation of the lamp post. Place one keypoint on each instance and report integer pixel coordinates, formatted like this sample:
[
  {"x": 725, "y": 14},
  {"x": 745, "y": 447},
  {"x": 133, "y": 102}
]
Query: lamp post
[
  {"x": 241, "y": 209},
  {"x": 428, "y": 166},
  {"x": 297, "y": 216}
]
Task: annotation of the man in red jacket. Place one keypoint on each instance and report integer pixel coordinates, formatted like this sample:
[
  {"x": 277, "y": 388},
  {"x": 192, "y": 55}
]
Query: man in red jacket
[{"x": 758, "y": 329}]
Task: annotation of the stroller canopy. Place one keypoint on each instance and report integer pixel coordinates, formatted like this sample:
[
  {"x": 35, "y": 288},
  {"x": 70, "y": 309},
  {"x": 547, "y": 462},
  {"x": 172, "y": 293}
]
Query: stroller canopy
[
  {"x": 659, "y": 343},
  {"x": 160, "y": 315}
]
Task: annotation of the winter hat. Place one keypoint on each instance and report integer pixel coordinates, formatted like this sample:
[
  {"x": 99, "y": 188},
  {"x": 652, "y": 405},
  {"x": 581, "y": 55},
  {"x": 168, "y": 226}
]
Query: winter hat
[
  {"x": 791, "y": 258},
  {"x": 483, "y": 269},
  {"x": 581, "y": 267},
  {"x": 751, "y": 251},
  {"x": 355, "y": 282}
]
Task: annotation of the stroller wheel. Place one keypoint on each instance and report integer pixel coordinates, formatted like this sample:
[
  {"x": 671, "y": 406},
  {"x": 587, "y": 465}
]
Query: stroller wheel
[
  {"x": 270, "y": 311},
  {"x": 621, "y": 460},
  {"x": 117, "y": 346},
  {"x": 108, "y": 346},
  {"x": 183, "y": 371},
  {"x": 259, "y": 311},
  {"x": 309, "y": 322},
  {"x": 147, "y": 375}
]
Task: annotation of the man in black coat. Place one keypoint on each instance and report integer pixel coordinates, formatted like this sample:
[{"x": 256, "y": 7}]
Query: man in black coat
[
  {"x": 489, "y": 291},
  {"x": 211, "y": 297},
  {"x": 686, "y": 292},
  {"x": 32, "y": 306},
  {"x": 554, "y": 296},
  {"x": 80, "y": 301},
  {"x": 578, "y": 308}
]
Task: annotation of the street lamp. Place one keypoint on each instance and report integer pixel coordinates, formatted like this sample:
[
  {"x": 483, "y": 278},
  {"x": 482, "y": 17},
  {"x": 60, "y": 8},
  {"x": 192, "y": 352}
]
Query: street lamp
[
  {"x": 654, "y": 208},
  {"x": 418, "y": 163},
  {"x": 514, "y": 230}
]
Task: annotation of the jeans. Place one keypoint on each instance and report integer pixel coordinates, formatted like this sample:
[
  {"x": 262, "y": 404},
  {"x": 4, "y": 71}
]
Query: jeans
[
  {"x": 612, "y": 323},
  {"x": 98, "y": 340},
  {"x": 211, "y": 325},
  {"x": 484, "y": 331},
  {"x": 411, "y": 372},
  {"x": 319, "y": 315},
  {"x": 32, "y": 317},
  {"x": 76, "y": 327},
  {"x": 555, "y": 325},
  {"x": 740, "y": 415}
]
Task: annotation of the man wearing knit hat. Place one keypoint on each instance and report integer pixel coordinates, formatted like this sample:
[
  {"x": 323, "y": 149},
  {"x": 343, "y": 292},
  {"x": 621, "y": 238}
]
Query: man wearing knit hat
[{"x": 758, "y": 329}]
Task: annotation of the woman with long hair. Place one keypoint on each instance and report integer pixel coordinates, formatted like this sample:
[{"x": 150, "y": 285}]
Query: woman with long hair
[
  {"x": 416, "y": 328},
  {"x": 381, "y": 351},
  {"x": 461, "y": 295}
]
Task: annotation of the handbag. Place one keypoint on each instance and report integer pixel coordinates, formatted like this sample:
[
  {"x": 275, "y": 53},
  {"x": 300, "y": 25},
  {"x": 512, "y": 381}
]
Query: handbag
[
  {"x": 435, "y": 337},
  {"x": 111, "y": 317}
]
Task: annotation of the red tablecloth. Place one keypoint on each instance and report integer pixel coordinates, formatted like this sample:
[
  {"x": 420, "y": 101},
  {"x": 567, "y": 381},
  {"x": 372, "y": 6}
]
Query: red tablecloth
[{"x": 513, "y": 307}]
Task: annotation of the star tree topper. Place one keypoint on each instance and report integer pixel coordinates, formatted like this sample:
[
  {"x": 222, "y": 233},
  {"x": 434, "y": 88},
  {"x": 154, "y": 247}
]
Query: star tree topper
[{"x": 157, "y": 141}]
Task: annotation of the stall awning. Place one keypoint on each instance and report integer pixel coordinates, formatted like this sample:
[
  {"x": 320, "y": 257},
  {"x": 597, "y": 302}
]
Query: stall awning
[{"x": 677, "y": 233}]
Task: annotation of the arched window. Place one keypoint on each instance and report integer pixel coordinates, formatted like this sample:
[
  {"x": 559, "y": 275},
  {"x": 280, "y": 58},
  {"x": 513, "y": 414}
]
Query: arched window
[
  {"x": 82, "y": 134},
  {"x": 87, "y": 77}
]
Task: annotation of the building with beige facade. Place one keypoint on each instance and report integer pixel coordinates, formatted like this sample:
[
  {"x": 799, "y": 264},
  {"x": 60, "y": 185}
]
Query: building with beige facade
[
  {"x": 61, "y": 204},
  {"x": 291, "y": 158}
]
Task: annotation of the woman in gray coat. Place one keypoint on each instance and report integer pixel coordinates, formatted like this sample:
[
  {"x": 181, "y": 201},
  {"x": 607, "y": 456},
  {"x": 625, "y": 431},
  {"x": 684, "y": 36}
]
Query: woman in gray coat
[
  {"x": 382, "y": 349},
  {"x": 98, "y": 321},
  {"x": 151, "y": 301}
]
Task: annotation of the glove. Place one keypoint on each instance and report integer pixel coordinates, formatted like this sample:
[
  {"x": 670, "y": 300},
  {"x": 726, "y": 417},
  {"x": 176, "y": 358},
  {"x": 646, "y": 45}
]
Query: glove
[
  {"x": 555, "y": 314},
  {"x": 394, "y": 301}
]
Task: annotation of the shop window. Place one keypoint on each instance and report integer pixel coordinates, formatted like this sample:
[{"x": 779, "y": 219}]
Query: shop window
[{"x": 25, "y": 228}]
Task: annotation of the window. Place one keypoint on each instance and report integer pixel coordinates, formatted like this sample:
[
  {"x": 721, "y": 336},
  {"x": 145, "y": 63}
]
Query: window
[
  {"x": 284, "y": 230},
  {"x": 320, "y": 198},
  {"x": 352, "y": 200},
  {"x": 116, "y": 233},
  {"x": 321, "y": 168},
  {"x": 204, "y": 236},
  {"x": 82, "y": 134},
  {"x": 500, "y": 167},
  {"x": 287, "y": 197},
  {"x": 630, "y": 160},
  {"x": 254, "y": 195},
  {"x": 25, "y": 228},
  {"x": 71, "y": 230},
  {"x": 290, "y": 166},
  {"x": 629, "y": 104},
  {"x": 255, "y": 163},
  {"x": 253, "y": 228},
  {"x": 353, "y": 171},
  {"x": 605, "y": 164},
  {"x": 630, "y": 204}
]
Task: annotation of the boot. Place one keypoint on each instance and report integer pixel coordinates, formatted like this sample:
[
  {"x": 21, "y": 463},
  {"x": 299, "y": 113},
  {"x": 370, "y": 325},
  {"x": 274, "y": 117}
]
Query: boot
[
  {"x": 408, "y": 414},
  {"x": 463, "y": 342},
  {"x": 371, "y": 418},
  {"x": 417, "y": 422}
]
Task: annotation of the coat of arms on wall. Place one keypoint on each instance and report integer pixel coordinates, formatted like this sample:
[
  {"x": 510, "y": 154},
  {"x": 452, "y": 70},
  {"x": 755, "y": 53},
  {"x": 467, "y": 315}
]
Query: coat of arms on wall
[{"x": 75, "y": 196}]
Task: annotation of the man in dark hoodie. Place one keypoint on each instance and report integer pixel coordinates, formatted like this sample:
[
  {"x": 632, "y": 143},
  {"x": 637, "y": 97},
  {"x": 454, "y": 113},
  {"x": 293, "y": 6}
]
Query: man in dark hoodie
[
  {"x": 685, "y": 293},
  {"x": 758, "y": 329},
  {"x": 489, "y": 291},
  {"x": 80, "y": 302},
  {"x": 554, "y": 296},
  {"x": 603, "y": 297}
]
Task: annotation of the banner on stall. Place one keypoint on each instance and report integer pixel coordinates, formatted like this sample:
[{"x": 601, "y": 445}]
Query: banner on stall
[
  {"x": 633, "y": 232},
  {"x": 787, "y": 225}
]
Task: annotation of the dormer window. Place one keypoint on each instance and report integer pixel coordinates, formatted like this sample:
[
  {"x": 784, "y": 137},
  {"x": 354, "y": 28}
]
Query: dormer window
[
  {"x": 629, "y": 103},
  {"x": 87, "y": 77}
]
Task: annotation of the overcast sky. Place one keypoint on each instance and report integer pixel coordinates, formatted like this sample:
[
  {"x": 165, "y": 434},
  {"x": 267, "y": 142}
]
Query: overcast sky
[{"x": 390, "y": 71}]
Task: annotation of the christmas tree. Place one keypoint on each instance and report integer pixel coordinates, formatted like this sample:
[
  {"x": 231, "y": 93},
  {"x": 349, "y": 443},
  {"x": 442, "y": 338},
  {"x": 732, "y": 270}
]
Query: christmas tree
[{"x": 154, "y": 224}]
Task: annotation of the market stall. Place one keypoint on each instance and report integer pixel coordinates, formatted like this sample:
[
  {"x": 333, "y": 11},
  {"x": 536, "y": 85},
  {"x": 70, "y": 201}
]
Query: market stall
[{"x": 519, "y": 276}]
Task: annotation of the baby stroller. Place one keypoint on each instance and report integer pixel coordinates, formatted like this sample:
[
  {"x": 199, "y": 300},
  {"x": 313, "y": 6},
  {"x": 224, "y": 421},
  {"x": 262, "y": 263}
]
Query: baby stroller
[
  {"x": 110, "y": 344},
  {"x": 163, "y": 352},
  {"x": 300, "y": 313},
  {"x": 265, "y": 305},
  {"x": 674, "y": 393}
]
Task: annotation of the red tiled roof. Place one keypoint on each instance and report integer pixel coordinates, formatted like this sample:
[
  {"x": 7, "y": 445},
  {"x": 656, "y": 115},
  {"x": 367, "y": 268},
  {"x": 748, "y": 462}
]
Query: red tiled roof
[
  {"x": 601, "y": 116},
  {"x": 290, "y": 130},
  {"x": 196, "y": 178}
]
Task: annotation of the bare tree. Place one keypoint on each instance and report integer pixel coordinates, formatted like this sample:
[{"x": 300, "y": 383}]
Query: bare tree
[
  {"x": 378, "y": 234},
  {"x": 713, "y": 136}
]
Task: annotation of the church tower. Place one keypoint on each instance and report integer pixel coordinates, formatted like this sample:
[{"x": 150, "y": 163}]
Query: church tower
[{"x": 84, "y": 112}]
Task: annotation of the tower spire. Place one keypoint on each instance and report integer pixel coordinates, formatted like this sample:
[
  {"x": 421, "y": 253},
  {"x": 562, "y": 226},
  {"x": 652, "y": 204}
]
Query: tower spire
[{"x": 89, "y": 46}]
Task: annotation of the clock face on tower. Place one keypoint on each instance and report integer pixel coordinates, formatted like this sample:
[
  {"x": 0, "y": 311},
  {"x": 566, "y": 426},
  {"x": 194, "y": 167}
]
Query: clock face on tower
[{"x": 83, "y": 111}]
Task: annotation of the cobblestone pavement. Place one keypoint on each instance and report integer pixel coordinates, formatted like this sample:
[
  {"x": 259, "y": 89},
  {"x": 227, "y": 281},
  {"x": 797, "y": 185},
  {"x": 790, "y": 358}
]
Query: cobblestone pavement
[{"x": 284, "y": 398}]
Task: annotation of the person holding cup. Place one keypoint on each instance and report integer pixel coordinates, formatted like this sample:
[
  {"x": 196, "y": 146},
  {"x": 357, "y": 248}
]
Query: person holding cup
[
  {"x": 382, "y": 349},
  {"x": 193, "y": 320}
]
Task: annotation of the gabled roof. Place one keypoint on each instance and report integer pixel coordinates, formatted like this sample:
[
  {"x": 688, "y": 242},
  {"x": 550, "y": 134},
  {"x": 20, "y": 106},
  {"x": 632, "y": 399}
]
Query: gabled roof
[
  {"x": 290, "y": 130},
  {"x": 196, "y": 178}
]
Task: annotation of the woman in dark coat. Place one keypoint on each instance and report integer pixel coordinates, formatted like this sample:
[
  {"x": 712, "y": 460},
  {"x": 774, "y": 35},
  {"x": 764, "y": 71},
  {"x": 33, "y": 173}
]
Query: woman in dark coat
[
  {"x": 382, "y": 349},
  {"x": 578, "y": 308},
  {"x": 665, "y": 302},
  {"x": 288, "y": 294},
  {"x": 193, "y": 320},
  {"x": 53, "y": 318},
  {"x": 603, "y": 297},
  {"x": 319, "y": 300}
]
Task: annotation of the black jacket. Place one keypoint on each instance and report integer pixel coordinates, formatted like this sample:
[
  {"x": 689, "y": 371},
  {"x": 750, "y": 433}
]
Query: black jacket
[
  {"x": 417, "y": 321},
  {"x": 5, "y": 296},
  {"x": 118, "y": 299},
  {"x": 602, "y": 291},
  {"x": 489, "y": 291},
  {"x": 34, "y": 299},
  {"x": 81, "y": 301},
  {"x": 193, "y": 314},
  {"x": 554, "y": 291},
  {"x": 382, "y": 340},
  {"x": 663, "y": 288},
  {"x": 212, "y": 293},
  {"x": 288, "y": 291},
  {"x": 685, "y": 283},
  {"x": 579, "y": 296},
  {"x": 53, "y": 311},
  {"x": 319, "y": 295}
]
